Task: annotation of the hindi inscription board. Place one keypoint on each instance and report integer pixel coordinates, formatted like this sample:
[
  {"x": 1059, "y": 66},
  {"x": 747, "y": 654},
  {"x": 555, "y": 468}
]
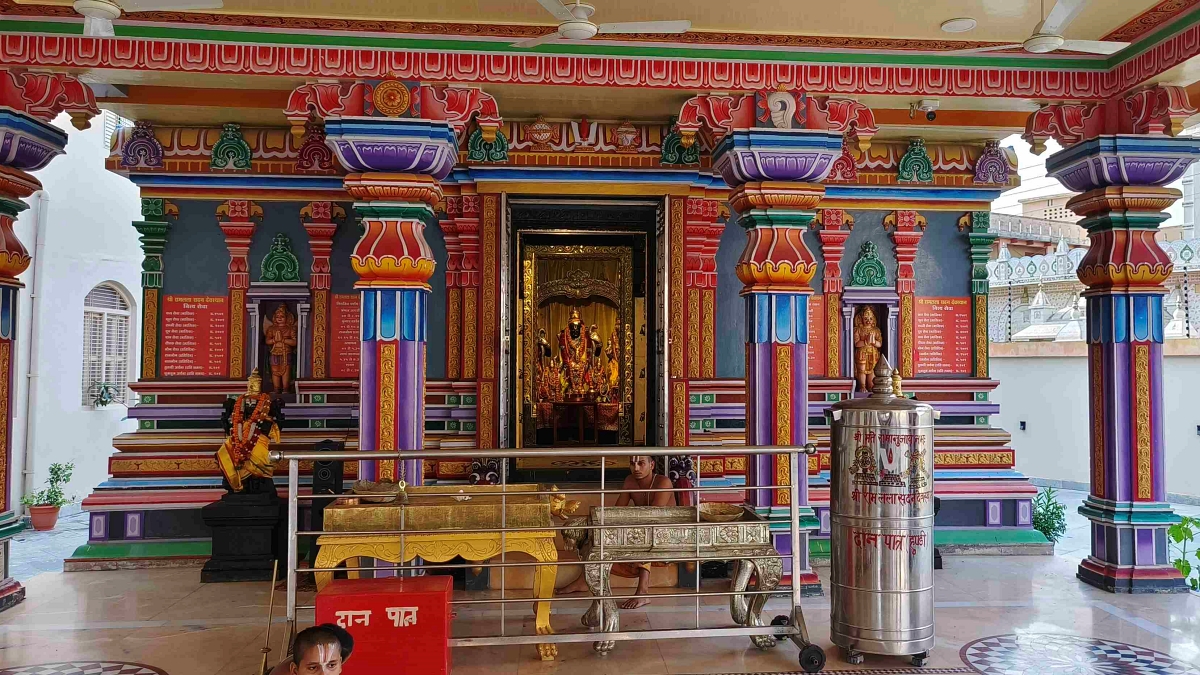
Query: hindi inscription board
[
  {"x": 816, "y": 335},
  {"x": 195, "y": 336},
  {"x": 344, "y": 341},
  {"x": 943, "y": 340}
]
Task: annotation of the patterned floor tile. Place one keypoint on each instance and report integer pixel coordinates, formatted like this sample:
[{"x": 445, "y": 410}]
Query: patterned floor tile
[
  {"x": 1040, "y": 654},
  {"x": 84, "y": 668}
]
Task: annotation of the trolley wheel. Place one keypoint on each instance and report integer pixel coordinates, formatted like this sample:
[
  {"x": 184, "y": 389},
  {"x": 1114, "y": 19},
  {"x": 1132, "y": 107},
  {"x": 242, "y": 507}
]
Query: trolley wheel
[
  {"x": 812, "y": 659},
  {"x": 781, "y": 620},
  {"x": 918, "y": 660},
  {"x": 854, "y": 658}
]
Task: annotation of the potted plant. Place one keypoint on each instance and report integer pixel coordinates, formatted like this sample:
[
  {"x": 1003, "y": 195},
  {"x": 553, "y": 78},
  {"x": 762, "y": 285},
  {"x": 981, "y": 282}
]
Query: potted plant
[{"x": 44, "y": 504}]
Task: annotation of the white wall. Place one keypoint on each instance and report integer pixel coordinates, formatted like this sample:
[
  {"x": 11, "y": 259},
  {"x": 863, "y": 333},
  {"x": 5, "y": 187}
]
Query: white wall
[
  {"x": 89, "y": 239},
  {"x": 1035, "y": 183},
  {"x": 1049, "y": 393}
]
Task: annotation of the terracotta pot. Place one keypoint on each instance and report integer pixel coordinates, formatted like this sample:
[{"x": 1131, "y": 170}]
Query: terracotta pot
[{"x": 43, "y": 517}]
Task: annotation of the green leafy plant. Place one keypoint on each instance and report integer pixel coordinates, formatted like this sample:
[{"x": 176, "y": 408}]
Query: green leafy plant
[
  {"x": 103, "y": 394},
  {"x": 1183, "y": 534},
  {"x": 60, "y": 475},
  {"x": 1049, "y": 515}
]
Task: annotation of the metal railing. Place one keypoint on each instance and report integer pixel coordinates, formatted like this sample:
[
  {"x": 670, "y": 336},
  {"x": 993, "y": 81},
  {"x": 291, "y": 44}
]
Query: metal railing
[
  {"x": 795, "y": 629},
  {"x": 1037, "y": 229}
]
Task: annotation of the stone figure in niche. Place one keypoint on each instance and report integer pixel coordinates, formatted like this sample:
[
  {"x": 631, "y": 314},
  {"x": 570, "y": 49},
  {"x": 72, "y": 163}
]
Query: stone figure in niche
[
  {"x": 251, "y": 424},
  {"x": 868, "y": 340},
  {"x": 280, "y": 331}
]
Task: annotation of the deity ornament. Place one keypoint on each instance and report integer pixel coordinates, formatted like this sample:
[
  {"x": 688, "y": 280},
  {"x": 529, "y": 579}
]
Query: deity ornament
[
  {"x": 868, "y": 340},
  {"x": 549, "y": 387},
  {"x": 575, "y": 346},
  {"x": 251, "y": 424},
  {"x": 280, "y": 331},
  {"x": 613, "y": 354}
]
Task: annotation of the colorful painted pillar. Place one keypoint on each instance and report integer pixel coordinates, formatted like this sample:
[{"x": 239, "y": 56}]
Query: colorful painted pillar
[
  {"x": 29, "y": 102},
  {"x": 398, "y": 140},
  {"x": 319, "y": 222},
  {"x": 907, "y": 228},
  {"x": 1119, "y": 154},
  {"x": 238, "y": 219},
  {"x": 153, "y": 231},
  {"x": 834, "y": 226},
  {"x": 701, "y": 238},
  {"x": 975, "y": 224}
]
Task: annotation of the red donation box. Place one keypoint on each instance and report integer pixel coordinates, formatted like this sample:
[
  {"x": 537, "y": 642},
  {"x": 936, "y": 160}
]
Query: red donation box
[{"x": 400, "y": 626}]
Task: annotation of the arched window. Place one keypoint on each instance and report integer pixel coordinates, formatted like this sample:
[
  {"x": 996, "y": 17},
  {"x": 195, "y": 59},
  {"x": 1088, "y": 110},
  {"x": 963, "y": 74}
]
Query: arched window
[{"x": 105, "y": 345}]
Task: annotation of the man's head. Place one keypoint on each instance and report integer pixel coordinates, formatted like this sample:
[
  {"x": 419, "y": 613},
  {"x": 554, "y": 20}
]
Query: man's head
[
  {"x": 320, "y": 650},
  {"x": 641, "y": 466},
  {"x": 280, "y": 317}
]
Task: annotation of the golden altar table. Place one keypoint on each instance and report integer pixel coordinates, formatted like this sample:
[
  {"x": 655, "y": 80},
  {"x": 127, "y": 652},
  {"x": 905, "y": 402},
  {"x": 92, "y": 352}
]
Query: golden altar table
[{"x": 458, "y": 510}]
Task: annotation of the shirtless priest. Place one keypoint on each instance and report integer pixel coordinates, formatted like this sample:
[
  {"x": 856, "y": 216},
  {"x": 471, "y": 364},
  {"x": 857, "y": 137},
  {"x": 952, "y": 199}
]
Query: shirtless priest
[{"x": 641, "y": 477}]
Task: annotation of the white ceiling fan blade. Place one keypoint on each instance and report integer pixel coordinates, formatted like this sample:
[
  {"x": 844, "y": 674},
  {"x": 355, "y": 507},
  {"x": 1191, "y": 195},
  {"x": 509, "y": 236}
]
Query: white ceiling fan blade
[
  {"x": 1062, "y": 14},
  {"x": 526, "y": 44},
  {"x": 1094, "y": 46},
  {"x": 556, "y": 8},
  {"x": 167, "y": 5},
  {"x": 977, "y": 50},
  {"x": 645, "y": 27},
  {"x": 97, "y": 27}
]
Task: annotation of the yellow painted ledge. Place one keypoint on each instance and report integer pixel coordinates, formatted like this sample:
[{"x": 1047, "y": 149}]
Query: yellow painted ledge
[{"x": 1002, "y": 350}]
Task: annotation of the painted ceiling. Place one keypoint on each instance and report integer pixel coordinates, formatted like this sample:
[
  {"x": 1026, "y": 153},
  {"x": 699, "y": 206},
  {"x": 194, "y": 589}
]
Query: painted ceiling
[{"x": 848, "y": 24}]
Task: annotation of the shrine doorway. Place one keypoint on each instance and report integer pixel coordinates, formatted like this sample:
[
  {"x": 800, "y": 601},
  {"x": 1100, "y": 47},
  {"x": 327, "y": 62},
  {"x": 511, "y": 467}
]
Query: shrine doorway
[{"x": 584, "y": 325}]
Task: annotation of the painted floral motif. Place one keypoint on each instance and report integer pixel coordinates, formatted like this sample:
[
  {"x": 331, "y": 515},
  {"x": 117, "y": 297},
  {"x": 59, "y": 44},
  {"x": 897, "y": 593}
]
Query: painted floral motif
[
  {"x": 479, "y": 150},
  {"x": 231, "y": 151},
  {"x": 280, "y": 264},
  {"x": 992, "y": 166},
  {"x": 142, "y": 150},
  {"x": 915, "y": 166}
]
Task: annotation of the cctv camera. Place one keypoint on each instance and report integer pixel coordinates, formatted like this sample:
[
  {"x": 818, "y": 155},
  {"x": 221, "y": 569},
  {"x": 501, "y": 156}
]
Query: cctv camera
[{"x": 928, "y": 106}]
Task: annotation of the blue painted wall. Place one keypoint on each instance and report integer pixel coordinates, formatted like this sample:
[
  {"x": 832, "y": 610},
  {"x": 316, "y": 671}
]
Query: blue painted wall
[
  {"x": 196, "y": 260},
  {"x": 943, "y": 268}
]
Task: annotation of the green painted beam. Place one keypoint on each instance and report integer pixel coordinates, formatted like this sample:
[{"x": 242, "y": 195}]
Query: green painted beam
[
  {"x": 143, "y": 549},
  {"x": 9, "y": 529}
]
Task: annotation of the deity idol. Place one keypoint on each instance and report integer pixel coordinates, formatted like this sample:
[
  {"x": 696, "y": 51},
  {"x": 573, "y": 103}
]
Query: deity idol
[
  {"x": 868, "y": 340},
  {"x": 281, "y": 339},
  {"x": 613, "y": 354},
  {"x": 575, "y": 347},
  {"x": 251, "y": 424},
  {"x": 548, "y": 386}
]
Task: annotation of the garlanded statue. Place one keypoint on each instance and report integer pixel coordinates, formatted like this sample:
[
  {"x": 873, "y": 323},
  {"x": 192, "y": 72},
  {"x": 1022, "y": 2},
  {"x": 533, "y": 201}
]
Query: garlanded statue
[
  {"x": 576, "y": 348},
  {"x": 868, "y": 340},
  {"x": 251, "y": 424},
  {"x": 280, "y": 331}
]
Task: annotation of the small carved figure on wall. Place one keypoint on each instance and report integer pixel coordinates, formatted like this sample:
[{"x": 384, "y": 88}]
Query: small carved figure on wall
[
  {"x": 280, "y": 331},
  {"x": 868, "y": 340}
]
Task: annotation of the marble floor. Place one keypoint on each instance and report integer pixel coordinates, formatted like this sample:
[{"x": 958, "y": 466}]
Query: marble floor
[{"x": 166, "y": 621}]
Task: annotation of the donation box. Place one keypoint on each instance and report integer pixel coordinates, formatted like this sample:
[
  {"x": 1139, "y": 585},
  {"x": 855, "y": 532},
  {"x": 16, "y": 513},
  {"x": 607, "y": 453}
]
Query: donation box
[{"x": 400, "y": 626}]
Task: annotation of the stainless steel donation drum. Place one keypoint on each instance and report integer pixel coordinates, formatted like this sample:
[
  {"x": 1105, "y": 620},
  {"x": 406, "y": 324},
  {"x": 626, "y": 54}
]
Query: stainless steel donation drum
[{"x": 881, "y": 519}]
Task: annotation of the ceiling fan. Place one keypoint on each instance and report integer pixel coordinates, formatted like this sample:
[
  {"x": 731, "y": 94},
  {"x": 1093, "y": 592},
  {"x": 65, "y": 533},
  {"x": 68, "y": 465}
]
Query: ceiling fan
[
  {"x": 575, "y": 24},
  {"x": 1047, "y": 36},
  {"x": 98, "y": 15}
]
